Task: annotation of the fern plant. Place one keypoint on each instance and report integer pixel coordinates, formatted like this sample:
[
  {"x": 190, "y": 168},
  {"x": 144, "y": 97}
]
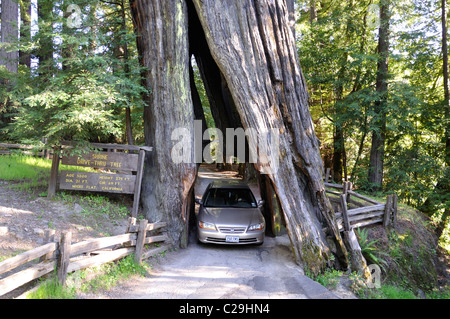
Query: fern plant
[{"x": 369, "y": 249}]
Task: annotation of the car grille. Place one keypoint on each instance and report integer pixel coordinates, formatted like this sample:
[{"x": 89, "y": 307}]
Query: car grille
[
  {"x": 232, "y": 230},
  {"x": 222, "y": 240}
]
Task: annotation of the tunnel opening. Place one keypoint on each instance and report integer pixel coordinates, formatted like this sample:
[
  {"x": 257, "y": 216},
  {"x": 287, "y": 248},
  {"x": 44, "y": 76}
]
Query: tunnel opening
[{"x": 215, "y": 108}]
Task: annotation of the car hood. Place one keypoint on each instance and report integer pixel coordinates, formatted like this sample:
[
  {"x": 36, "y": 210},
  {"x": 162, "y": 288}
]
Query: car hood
[{"x": 231, "y": 216}]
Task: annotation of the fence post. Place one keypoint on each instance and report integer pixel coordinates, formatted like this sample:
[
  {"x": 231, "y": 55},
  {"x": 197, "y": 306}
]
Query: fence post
[
  {"x": 53, "y": 173},
  {"x": 63, "y": 257},
  {"x": 387, "y": 211},
  {"x": 344, "y": 213},
  {"x": 327, "y": 175},
  {"x": 49, "y": 237},
  {"x": 140, "y": 240},
  {"x": 131, "y": 223},
  {"x": 394, "y": 210}
]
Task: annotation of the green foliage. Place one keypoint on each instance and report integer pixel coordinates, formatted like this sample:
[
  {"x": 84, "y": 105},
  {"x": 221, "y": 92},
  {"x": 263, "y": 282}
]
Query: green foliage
[
  {"x": 52, "y": 289},
  {"x": 369, "y": 249},
  {"x": 330, "y": 278},
  {"x": 337, "y": 49},
  {"x": 112, "y": 273},
  {"x": 105, "y": 277},
  {"x": 82, "y": 83},
  {"x": 29, "y": 172}
]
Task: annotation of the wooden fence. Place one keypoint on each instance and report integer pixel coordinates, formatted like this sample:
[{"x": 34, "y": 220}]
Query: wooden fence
[
  {"x": 5, "y": 149},
  {"x": 354, "y": 210},
  {"x": 67, "y": 257}
]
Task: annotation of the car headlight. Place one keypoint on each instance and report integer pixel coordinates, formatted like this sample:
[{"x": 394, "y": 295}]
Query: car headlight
[
  {"x": 209, "y": 226},
  {"x": 256, "y": 227}
]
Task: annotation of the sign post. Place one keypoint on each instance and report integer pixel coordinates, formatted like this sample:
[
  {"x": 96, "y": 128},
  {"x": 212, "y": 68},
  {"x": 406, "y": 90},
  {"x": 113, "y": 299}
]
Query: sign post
[{"x": 124, "y": 182}]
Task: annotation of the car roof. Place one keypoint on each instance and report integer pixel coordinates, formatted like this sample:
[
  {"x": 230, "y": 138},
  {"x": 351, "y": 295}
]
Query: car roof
[{"x": 228, "y": 184}]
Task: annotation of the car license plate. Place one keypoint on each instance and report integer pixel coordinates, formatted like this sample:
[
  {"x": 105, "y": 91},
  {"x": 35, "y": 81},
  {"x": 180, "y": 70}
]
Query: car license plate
[{"x": 232, "y": 239}]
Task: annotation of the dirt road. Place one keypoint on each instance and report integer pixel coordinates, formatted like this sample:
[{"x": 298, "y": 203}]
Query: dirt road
[{"x": 217, "y": 271}]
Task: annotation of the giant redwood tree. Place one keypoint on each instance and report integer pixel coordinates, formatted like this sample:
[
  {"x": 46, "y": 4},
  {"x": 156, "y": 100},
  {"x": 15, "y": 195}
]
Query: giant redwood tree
[{"x": 247, "y": 58}]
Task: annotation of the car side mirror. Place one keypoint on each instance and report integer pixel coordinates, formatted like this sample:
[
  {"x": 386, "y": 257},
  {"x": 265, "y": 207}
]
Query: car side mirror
[
  {"x": 260, "y": 203},
  {"x": 199, "y": 201}
]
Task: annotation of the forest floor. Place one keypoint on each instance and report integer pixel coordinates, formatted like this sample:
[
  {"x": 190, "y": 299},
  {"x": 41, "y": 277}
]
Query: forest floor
[{"x": 247, "y": 272}]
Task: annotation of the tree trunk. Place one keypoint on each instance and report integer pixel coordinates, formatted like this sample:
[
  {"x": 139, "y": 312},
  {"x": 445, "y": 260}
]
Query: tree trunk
[
  {"x": 444, "y": 181},
  {"x": 379, "y": 130},
  {"x": 252, "y": 51},
  {"x": 161, "y": 26},
  {"x": 25, "y": 31},
  {"x": 253, "y": 46},
  {"x": 10, "y": 33}
]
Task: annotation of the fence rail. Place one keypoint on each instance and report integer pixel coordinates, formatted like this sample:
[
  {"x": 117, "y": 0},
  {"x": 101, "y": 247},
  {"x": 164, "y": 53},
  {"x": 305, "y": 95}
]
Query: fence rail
[
  {"x": 354, "y": 210},
  {"x": 68, "y": 257},
  {"x": 5, "y": 149}
]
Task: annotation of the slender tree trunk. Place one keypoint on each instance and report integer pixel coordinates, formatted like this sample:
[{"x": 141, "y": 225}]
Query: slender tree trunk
[
  {"x": 45, "y": 38},
  {"x": 123, "y": 29},
  {"x": 25, "y": 31},
  {"x": 10, "y": 33},
  {"x": 445, "y": 181},
  {"x": 379, "y": 133}
]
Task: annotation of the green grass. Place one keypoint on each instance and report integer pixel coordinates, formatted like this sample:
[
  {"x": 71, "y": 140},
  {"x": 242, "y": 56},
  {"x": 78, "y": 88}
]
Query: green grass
[
  {"x": 29, "y": 172},
  {"x": 105, "y": 278},
  {"x": 52, "y": 289}
]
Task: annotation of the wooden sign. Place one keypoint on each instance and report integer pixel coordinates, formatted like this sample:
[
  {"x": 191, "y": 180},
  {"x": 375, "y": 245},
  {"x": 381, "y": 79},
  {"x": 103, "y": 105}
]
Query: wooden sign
[
  {"x": 97, "y": 182},
  {"x": 120, "y": 182},
  {"x": 109, "y": 160}
]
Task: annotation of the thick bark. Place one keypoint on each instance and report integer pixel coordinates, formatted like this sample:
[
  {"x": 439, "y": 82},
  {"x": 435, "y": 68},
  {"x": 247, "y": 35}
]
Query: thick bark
[
  {"x": 252, "y": 45},
  {"x": 10, "y": 34},
  {"x": 379, "y": 134},
  {"x": 161, "y": 26}
]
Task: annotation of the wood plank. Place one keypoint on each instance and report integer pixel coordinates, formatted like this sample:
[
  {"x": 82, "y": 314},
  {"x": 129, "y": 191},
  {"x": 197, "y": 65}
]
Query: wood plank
[
  {"x": 365, "y": 216},
  {"x": 334, "y": 185},
  {"x": 62, "y": 262},
  {"x": 100, "y": 259},
  {"x": 333, "y": 192},
  {"x": 344, "y": 213},
  {"x": 151, "y": 226},
  {"x": 16, "y": 146},
  {"x": 155, "y": 251},
  {"x": 367, "y": 199},
  {"x": 97, "y": 182},
  {"x": 109, "y": 160},
  {"x": 138, "y": 183},
  {"x": 154, "y": 226},
  {"x": 21, "y": 278},
  {"x": 150, "y": 240},
  {"x": 368, "y": 222},
  {"x": 366, "y": 209},
  {"x": 100, "y": 243},
  {"x": 30, "y": 255},
  {"x": 140, "y": 240}
]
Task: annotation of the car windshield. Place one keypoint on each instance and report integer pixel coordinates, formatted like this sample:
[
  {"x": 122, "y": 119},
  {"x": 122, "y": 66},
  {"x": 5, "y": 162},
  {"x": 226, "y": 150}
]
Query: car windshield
[{"x": 230, "y": 197}]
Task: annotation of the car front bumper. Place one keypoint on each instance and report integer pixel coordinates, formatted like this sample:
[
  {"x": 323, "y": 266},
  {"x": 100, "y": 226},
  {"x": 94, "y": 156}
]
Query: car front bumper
[{"x": 229, "y": 237}]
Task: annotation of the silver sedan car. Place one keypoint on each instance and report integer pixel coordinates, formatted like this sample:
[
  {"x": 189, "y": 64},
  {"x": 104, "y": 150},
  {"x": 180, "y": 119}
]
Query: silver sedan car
[{"x": 229, "y": 214}]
